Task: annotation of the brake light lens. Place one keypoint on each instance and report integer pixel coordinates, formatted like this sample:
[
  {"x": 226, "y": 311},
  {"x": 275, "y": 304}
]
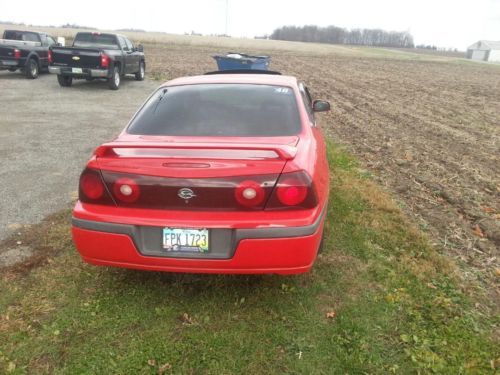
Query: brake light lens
[
  {"x": 49, "y": 56},
  {"x": 290, "y": 194},
  {"x": 293, "y": 190},
  {"x": 249, "y": 193},
  {"x": 92, "y": 188},
  {"x": 17, "y": 54},
  {"x": 126, "y": 190},
  {"x": 104, "y": 60}
]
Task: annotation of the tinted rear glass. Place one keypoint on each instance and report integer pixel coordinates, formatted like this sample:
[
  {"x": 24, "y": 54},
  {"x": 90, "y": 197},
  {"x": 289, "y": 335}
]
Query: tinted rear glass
[
  {"x": 95, "y": 39},
  {"x": 21, "y": 35},
  {"x": 233, "y": 110}
]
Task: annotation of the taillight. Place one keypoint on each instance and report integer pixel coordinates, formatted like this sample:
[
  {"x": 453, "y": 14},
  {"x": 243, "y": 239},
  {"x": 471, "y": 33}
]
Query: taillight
[
  {"x": 49, "y": 56},
  {"x": 249, "y": 193},
  {"x": 293, "y": 190},
  {"x": 126, "y": 190},
  {"x": 17, "y": 54},
  {"x": 92, "y": 188},
  {"x": 104, "y": 60},
  {"x": 174, "y": 193},
  {"x": 291, "y": 194}
]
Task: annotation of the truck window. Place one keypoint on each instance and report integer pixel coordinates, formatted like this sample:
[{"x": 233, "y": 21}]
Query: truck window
[
  {"x": 25, "y": 36},
  {"x": 44, "y": 40},
  {"x": 130, "y": 46},
  {"x": 123, "y": 44},
  {"x": 50, "y": 40},
  {"x": 96, "y": 40}
]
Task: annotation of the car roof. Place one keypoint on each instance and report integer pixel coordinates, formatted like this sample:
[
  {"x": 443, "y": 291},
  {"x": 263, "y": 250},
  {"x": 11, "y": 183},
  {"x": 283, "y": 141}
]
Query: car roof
[{"x": 258, "y": 79}]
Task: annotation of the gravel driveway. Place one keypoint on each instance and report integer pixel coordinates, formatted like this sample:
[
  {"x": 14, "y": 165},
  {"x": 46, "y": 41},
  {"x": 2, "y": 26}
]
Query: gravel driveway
[{"x": 47, "y": 133}]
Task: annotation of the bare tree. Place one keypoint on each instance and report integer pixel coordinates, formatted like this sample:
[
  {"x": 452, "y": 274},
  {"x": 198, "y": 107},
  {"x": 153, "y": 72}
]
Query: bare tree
[{"x": 338, "y": 35}]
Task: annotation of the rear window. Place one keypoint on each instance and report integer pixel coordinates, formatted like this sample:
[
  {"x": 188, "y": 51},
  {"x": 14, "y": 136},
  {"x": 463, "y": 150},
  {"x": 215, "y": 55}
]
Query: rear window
[
  {"x": 233, "y": 110},
  {"x": 25, "y": 36},
  {"x": 95, "y": 39}
]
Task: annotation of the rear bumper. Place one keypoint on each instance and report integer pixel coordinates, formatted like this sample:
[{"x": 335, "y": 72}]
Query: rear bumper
[
  {"x": 93, "y": 73},
  {"x": 6, "y": 64},
  {"x": 283, "y": 250}
]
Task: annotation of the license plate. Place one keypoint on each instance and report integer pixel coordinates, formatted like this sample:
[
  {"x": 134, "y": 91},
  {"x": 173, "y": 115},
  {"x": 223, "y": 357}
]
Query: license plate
[
  {"x": 77, "y": 70},
  {"x": 188, "y": 240},
  {"x": 8, "y": 63}
]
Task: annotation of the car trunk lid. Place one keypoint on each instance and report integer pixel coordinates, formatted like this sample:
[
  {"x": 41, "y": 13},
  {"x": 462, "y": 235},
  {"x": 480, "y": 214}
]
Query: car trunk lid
[{"x": 193, "y": 175}]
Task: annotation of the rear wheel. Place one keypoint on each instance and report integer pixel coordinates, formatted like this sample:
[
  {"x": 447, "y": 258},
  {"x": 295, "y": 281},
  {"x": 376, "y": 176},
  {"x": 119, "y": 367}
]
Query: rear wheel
[
  {"x": 114, "y": 80},
  {"x": 31, "y": 69},
  {"x": 139, "y": 76},
  {"x": 64, "y": 81}
]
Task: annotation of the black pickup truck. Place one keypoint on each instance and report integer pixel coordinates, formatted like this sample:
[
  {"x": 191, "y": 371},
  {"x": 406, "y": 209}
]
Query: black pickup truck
[
  {"x": 96, "y": 55},
  {"x": 26, "y": 51}
]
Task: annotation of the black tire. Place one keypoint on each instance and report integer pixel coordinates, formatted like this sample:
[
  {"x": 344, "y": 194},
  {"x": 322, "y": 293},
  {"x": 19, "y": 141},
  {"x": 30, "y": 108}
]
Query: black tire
[
  {"x": 64, "y": 81},
  {"x": 115, "y": 79},
  {"x": 89, "y": 79},
  {"x": 12, "y": 69},
  {"x": 32, "y": 69},
  {"x": 139, "y": 76}
]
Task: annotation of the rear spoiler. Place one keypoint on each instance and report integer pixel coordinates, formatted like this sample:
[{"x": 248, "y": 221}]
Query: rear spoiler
[{"x": 285, "y": 152}]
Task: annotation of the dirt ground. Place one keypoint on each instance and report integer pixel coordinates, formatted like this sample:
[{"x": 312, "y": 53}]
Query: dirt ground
[
  {"x": 428, "y": 129},
  {"x": 47, "y": 133}
]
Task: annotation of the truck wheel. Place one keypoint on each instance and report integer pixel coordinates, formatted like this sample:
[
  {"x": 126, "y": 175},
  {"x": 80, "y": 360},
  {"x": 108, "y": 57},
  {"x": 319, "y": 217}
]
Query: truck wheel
[
  {"x": 31, "y": 69},
  {"x": 114, "y": 80},
  {"x": 12, "y": 69},
  {"x": 139, "y": 76},
  {"x": 64, "y": 81}
]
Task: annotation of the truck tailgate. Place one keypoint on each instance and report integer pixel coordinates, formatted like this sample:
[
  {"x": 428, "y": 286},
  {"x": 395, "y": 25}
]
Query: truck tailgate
[
  {"x": 6, "y": 52},
  {"x": 76, "y": 57}
]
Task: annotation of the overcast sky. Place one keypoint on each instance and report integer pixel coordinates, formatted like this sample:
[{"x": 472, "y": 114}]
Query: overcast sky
[{"x": 447, "y": 23}]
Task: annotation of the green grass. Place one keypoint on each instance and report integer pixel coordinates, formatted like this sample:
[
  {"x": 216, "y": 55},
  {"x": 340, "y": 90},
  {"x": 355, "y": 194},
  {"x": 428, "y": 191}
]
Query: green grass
[{"x": 398, "y": 307}]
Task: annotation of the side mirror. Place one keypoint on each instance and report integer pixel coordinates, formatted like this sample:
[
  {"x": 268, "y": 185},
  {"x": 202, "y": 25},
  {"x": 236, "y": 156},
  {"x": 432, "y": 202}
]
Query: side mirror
[
  {"x": 139, "y": 48},
  {"x": 321, "y": 106}
]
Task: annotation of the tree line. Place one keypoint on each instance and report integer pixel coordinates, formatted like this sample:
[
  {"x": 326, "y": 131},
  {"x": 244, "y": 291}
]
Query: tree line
[{"x": 340, "y": 35}]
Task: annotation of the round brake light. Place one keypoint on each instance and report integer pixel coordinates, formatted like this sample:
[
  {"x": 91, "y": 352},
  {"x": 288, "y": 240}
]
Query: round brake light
[
  {"x": 126, "y": 190},
  {"x": 291, "y": 193},
  {"x": 249, "y": 193},
  {"x": 92, "y": 186}
]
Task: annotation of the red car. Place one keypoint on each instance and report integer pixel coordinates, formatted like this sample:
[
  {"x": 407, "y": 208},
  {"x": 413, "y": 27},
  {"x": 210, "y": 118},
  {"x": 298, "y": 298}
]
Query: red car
[{"x": 221, "y": 173}]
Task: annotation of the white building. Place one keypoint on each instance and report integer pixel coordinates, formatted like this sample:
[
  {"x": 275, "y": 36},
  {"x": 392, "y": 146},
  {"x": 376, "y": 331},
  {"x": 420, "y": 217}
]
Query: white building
[{"x": 484, "y": 50}]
